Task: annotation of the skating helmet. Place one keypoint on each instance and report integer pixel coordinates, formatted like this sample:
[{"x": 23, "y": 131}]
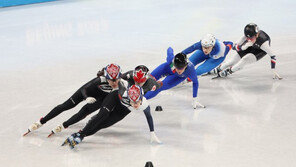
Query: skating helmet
[
  {"x": 180, "y": 60},
  {"x": 112, "y": 71},
  {"x": 135, "y": 93},
  {"x": 208, "y": 40},
  {"x": 140, "y": 74},
  {"x": 251, "y": 30}
]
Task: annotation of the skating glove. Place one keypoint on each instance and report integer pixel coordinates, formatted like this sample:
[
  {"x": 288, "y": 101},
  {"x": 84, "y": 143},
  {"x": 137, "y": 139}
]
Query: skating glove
[
  {"x": 272, "y": 61},
  {"x": 276, "y": 75},
  {"x": 196, "y": 104},
  {"x": 236, "y": 47},
  {"x": 247, "y": 45},
  {"x": 90, "y": 100},
  {"x": 154, "y": 138},
  {"x": 170, "y": 55}
]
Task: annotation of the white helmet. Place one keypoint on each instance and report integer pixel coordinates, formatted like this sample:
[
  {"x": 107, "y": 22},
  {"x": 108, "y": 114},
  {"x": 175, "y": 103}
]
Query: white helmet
[{"x": 208, "y": 40}]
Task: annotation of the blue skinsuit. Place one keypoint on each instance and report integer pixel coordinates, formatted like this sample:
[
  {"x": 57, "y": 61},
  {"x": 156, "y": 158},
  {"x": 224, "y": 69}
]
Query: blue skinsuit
[
  {"x": 172, "y": 78},
  {"x": 212, "y": 60}
]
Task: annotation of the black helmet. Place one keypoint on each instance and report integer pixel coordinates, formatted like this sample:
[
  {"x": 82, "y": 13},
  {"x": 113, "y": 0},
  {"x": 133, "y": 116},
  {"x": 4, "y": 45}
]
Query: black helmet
[
  {"x": 251, "y": 30},
  {"x": 142, "y": 67},
  {"x": 180, "y": 60}
]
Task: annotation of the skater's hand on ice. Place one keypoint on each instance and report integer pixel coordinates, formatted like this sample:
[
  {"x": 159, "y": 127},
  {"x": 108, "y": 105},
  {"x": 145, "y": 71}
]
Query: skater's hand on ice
[
  {"x": 90, "y": 100},
  {"x": 196, "y": 104},
  {"x": 154, "y": 138},
  {"x": 276, "y": 75}
]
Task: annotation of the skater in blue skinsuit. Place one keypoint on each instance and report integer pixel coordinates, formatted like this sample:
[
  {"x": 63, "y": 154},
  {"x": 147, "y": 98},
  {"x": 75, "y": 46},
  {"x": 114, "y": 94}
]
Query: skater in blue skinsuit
[
  {"x": 210, "y": 50},
  {"x": 176, "y": 69}
]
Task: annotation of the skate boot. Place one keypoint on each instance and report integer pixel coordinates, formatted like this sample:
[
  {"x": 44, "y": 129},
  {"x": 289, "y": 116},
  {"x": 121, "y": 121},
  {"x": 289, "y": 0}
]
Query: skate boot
[
  {"x": 225, "y": 73},
  {"x": 34, "y": 126},
  {"x": 214, "y": 71},
  {"x": 55, "y": 130},
  {"x": 73, "y": 140},
  {"x": 69, "y": 139}
]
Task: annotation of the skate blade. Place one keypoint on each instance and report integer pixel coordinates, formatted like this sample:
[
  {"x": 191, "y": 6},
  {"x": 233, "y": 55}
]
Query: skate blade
[
  {"x": 203, "y": 75},
  {"x": 50, "y": 134},
  {"x": 277, "y": 78},
  {"x": 65, "y": 142},
  {"x": 72, "y": 144},
  {"x": 26, "y": 133},
  {"x": 217, "y": 77},
  {"x": 198, "y": 107}
]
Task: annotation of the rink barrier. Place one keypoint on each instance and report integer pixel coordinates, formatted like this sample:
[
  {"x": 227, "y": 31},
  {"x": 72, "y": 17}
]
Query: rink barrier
[{"x": 9, "y": 3}]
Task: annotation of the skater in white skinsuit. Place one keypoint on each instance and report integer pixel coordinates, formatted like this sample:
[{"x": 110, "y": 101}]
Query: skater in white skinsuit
[{"x": 250, "y": 48}]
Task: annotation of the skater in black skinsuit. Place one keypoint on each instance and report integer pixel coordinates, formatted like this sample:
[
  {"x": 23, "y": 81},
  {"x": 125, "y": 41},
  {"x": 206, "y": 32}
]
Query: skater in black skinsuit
[
  {"x": 89, "y": 108},
  {"x": 93, "y": 92},
  {"x": 140, "y": 76},
  {"x": 114, "y": 108}
]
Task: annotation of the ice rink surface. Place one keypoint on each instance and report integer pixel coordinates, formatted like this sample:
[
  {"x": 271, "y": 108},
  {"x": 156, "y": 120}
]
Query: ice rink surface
[{"x": 49, "y": 50}]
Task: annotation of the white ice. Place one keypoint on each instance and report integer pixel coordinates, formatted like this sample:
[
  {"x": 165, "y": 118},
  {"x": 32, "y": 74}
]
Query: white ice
[{"x": 49, "y": 50}]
